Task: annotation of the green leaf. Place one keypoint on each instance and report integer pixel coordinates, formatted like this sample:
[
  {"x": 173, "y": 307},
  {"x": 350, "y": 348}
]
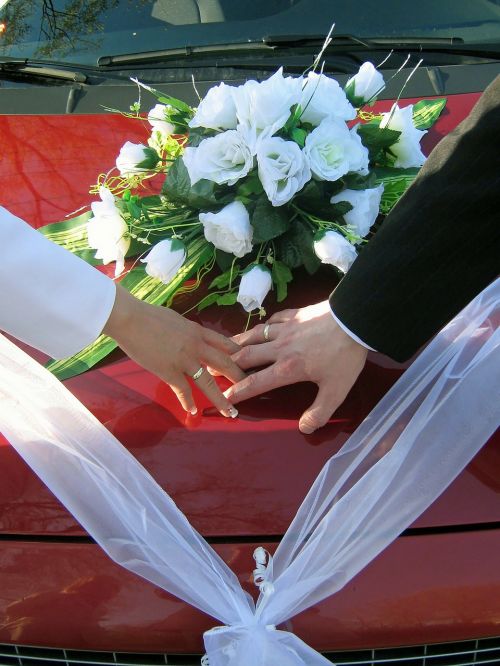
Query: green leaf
[
  {"x": 177, "y": 184},
  {"x": 268, "y": 221},
  {"x": 224, "y": 260},
  {"x": 295, "y": 248},
  {"x": 375, "y": 138},
  {"x": 177, "y": 187},
  {"x": 223, "y": 280},
  {"x": 151, "y": 159},
  {"x": 396, "y": 182},
  {"x": 251, "y": 185},
  {"x": 426, "y": 112},
  {"x": 208, "y": 300},
  {"x": 340, "y": 208},
  {"x": 299, "y": 136},
  {"x": 355, "y": 181},
  {"x": 227, "y": 299},
  {"x": 147, "y": 289},
  {"x": 281, "y": 275},
  {"x": 72, "y": 235},
  {"x": 133, "y": 209}
]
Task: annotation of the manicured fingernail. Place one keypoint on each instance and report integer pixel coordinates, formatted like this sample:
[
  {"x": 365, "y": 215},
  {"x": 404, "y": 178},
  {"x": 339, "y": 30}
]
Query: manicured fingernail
[
  {"x": 193, "y": 411},
  {"x": 231, "y": 412}
]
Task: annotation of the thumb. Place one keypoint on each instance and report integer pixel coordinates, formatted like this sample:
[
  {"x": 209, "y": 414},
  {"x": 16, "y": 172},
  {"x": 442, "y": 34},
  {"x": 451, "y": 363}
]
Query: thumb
[{"x": 319, "y": 412}]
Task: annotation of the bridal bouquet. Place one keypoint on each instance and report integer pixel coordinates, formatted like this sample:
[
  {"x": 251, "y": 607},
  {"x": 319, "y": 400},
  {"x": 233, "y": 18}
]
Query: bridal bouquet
[{"x": 259, "y": 180}]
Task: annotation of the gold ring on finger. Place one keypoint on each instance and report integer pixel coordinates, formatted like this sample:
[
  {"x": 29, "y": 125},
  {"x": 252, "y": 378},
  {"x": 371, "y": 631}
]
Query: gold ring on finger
[
  {"x": 266, "y": 332},
  {"x": 198, "y": 373}
]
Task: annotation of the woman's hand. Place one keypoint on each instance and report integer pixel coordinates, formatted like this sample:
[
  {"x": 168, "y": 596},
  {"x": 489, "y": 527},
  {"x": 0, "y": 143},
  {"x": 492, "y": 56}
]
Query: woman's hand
[
  {"x": 300, "y": 345},
  {"x": 174, "y": 348}
]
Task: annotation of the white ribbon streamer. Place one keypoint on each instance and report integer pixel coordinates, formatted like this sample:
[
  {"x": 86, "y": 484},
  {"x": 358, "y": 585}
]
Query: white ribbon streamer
[{"x": 406, "y": 452}]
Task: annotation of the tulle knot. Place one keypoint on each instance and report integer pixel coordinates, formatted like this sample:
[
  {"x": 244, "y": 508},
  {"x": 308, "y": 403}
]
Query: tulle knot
[{"x": 263, "y": 572}]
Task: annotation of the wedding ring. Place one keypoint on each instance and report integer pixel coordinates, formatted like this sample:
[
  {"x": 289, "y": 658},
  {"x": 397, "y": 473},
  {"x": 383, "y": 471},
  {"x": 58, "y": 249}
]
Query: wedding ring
[
  {"x": 266, "y": 332},
  {"x": 198, "y": 373}
]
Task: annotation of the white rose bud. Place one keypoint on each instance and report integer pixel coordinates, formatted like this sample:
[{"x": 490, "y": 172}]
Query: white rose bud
[
  {"x": 364, "y": 86},
  {"x": 229, "y": 229},
  {"x": 283, "y": 169},
  {"x": 322, "y": 97},
  {"x": 365, "y": 208},
  {"x": 254, "y": 287},
  {"x": 157, "y": 118},
  {"x": 334, "y": 249},
  {"x": 407, "y": 147},
  {"x": 223, "y": 159},
  {"x": 216, "y": 110},
  {"x": 263, "y": 108},
  {"x": 333, "y": 151},
  {"x": 136, "y": 158},
  {"x": 164, "y": 259},
  {"x": 107, "y": 231}
]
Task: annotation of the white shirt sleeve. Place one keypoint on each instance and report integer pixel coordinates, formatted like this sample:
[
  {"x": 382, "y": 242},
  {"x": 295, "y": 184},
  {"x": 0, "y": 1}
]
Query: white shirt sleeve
[
  {"x": 350, "y": 333},
  {"x": 50, "y": 298}
]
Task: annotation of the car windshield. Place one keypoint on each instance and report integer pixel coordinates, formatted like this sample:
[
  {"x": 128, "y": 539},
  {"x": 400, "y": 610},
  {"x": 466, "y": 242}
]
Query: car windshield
[{"x": 81, "y": 31}]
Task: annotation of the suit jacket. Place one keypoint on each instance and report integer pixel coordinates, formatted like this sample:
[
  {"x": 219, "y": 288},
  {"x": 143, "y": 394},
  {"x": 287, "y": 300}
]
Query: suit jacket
[
  {"x": 437, "y": 248},
  {"x": 50, "y": 298}
]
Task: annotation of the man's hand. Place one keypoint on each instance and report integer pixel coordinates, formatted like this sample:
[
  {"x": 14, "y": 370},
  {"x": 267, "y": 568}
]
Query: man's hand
[
  {"x": 173, "y": 348},
  {"x": 302, "y": 345}
]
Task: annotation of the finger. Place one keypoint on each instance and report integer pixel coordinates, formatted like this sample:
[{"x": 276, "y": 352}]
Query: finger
[
  {"x": 255, "y": 335},
  {"x": 254, "y": 356},
  {"x": 184, "y": 394},
  {"x": 318, "y": 414},
  {"x": 223, "y": 364},
  {"x": 260, "y": 382},
  {"x": 283, "y": 316},
  {"x": 208, "y": 385},
  {"x": 226, "y": 345}
]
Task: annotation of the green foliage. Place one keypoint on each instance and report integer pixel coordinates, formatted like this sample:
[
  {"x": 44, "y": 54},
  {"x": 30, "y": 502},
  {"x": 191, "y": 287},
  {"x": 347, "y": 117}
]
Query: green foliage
[
  {"x": 426, "y": 112},
  {"x": 72, "y": 235},
  {"x": 151, "y": 159},
  {"x": 396, "y": 182},
  {"x": 224, "y": 279},
  {"x": 227, "y": 299},
  {"x": 268, "y": 221},
  {"x": 281, "y": 275},
  {"x": 295, "y": 247},
  {"x": 177, "y": 188},
  {"x": 377, "y": 140}
]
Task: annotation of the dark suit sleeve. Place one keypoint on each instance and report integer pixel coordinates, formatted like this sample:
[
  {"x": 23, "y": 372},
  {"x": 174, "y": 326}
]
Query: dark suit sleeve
[{"x": 438, "y": 247}]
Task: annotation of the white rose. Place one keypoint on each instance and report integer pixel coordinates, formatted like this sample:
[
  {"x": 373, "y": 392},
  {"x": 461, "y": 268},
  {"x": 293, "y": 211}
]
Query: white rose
[
  {"x": 133, "y": 154},
  {"x": 157, "y": 118},
  {"x": 254, "y": 287},
  {"x": 334, "y": 249},
  {"x": 332, "y": 150},
  {"x": 283, "y": 169},
  {"x": 224, "y": 159},
  {"x": 107, "y": 231},
  {"x": 322, "y": 97},
  {"x": 365, "y": 208},
  {"x": 164, "y": 260},
  {"x": 216, "y": 109},
  {"x": 263, "y": 108},
  {"x": 229, "y": 229},
  {"x": 364, "y": 86},
  {"x": 360, "y": 156},
  {"x": 407, "y": 147}
]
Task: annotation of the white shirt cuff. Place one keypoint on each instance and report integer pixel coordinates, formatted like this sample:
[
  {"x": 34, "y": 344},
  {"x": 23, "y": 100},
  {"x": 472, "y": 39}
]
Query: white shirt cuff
[{"x": 350, "y": 333}]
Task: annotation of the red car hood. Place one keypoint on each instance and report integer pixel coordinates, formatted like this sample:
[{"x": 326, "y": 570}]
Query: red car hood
[{"x": 237, "y": 478}]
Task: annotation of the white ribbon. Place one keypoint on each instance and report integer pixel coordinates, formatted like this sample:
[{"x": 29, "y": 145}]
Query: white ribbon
[{"x": 405, "y": 453}]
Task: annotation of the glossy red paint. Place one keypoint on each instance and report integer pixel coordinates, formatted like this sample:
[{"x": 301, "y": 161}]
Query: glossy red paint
[
  {"x": 422, "y": 589},
  {"x": 221, "y": 473}
]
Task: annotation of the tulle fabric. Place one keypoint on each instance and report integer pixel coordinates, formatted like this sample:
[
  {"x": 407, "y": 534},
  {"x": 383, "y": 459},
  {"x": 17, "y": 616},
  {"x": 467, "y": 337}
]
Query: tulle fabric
[{"x": 406, "y": 452}]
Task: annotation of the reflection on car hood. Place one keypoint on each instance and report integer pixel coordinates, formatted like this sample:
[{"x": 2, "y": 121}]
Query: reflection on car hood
[{"x": 232, "y": 478}]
